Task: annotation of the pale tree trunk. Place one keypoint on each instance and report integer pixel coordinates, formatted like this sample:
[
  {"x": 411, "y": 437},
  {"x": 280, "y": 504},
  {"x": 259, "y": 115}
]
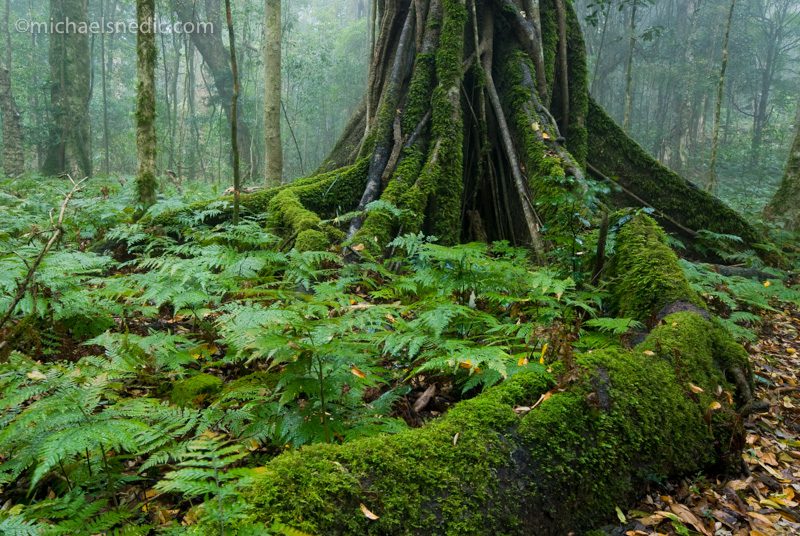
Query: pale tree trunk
[
  {"x": 626, "y": 122},
  {"x": 13, "y": 152},
  {"x": 785, "y": 206},
  {"x": 272, "y": 93},
  {"x": 146, "y": 102},
  {"x": 69, "y": 148},
  {"x": 712, "y": 166}
]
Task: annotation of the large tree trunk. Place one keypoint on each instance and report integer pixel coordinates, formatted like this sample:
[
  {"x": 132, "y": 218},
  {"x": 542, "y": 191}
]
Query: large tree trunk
[
  {"x": 461, "y": 136},
  {"x": 70, "y": 144},
  {"x": 458, "y": 132},
  {"x": 146, "y": 102},
  {"x": 273, "y": 155},
  {"x": 217, "y": 58}
]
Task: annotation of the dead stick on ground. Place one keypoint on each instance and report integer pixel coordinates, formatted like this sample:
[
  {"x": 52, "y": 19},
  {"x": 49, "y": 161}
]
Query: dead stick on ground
[{"x": 58, "y": 231}]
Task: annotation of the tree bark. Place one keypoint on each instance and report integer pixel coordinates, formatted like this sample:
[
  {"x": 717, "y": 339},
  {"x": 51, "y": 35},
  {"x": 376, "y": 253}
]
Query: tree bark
[
  {"x": 13, "y": 152},
  {"x": 69, "y": 149},
  {"x": 272, "y": 93},
  {"x": 146, "y": 183},
  {"x": 234, "y": 121}
]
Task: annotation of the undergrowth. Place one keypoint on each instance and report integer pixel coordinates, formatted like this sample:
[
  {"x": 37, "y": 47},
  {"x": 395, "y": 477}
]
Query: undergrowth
[{"x": 149, "y": 370}]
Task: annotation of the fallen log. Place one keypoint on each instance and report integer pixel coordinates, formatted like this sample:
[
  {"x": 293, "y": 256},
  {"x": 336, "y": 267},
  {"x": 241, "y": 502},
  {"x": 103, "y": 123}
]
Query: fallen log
[{"x": 492, "y": 465}]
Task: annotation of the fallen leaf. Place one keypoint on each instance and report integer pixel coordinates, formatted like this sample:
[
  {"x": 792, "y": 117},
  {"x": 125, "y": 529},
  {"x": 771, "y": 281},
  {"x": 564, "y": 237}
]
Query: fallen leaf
[
  {"x": 36, "y": 375},
  {"x": 688, "y": 517},
  {"x": 620, "y": 515},
  {"x": 358, "y": 373},
  {"x": 695, "y": 389},
  {"x": 367, "y": 513}
]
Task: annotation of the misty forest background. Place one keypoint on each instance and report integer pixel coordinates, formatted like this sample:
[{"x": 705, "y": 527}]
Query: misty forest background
[{"x": 674, "y": 70}]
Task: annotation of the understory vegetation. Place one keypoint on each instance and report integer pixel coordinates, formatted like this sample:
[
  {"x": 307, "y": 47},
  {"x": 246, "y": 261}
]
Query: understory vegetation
[{"x": 147, "y": 371}]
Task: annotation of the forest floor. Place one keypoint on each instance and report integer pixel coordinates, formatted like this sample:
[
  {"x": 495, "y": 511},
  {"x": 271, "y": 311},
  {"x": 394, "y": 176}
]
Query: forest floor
[{"x": 765, "y": 501}]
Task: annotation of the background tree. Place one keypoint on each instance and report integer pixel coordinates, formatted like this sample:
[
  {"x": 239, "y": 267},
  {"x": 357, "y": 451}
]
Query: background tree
[
  {"x": 712, "y": 166},
  {"x": 70, "y": 145},
  {"x": 146, "y": 102},
  {"x": 272, "y": 93},
  {"x": 13, "y": 154}
]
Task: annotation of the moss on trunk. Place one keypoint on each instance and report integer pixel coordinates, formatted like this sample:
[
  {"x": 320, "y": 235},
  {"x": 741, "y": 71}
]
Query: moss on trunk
[{"x": 493, "y": 466}]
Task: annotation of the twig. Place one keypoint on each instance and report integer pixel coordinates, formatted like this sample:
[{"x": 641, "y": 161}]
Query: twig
[{"x": 58, "y": 231}]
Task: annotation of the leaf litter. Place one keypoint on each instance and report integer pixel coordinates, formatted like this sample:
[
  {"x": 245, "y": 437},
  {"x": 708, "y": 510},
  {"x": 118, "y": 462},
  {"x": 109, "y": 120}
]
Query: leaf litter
[{"x": 764, "y": 500}]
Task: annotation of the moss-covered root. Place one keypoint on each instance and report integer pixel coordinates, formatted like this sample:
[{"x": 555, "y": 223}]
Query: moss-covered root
[
  {"x": 617, "y": 156},
  {"x": 296, "y": 209},
  {"x": 645, "y": 272},
  {"x": 491, "y": 466}
]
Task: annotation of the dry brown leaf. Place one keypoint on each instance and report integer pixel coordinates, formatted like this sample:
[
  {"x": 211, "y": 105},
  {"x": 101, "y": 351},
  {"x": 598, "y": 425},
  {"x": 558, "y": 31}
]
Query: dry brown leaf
[{"x": 688, "y": 517}]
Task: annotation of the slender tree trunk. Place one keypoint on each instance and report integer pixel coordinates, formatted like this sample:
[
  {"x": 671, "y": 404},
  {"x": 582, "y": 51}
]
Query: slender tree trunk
[
  {"x": 237, "y": 186},
  {"x": 13, "y": 150},
  {"x": 146, "y": 102},
  {"x": 626, "y": 122},
  {"x": 104, "y": 76},
  {"x": 599, "y": 56},
  {"x": 69, "y": 148},
  {"x": 711, "y": 185},
  {"x": 272, "y": 93}
]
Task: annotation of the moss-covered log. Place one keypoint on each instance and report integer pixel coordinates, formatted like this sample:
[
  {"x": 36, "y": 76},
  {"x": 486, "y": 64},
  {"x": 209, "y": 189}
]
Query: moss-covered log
[{"x": 493, "y": 465}]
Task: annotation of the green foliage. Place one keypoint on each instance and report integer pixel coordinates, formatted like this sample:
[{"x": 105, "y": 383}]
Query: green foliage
[{"x": 740, "y": 301}]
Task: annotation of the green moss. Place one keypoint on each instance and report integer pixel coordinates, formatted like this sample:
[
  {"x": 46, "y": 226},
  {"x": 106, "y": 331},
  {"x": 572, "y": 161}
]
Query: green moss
[
  {"x": 646, "y": 271},
  {"x": 626, "y": 422},
  {"x": 195, "y": 390},
  {"x": 311, "y": 240},
  {"x": 325, "y": 195},
  {"x": 380, "y": 225},
  {"x": 409, "y": 479},
  {"x": 419, "y": 91},
  {"x": 623, "y": 160}
]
